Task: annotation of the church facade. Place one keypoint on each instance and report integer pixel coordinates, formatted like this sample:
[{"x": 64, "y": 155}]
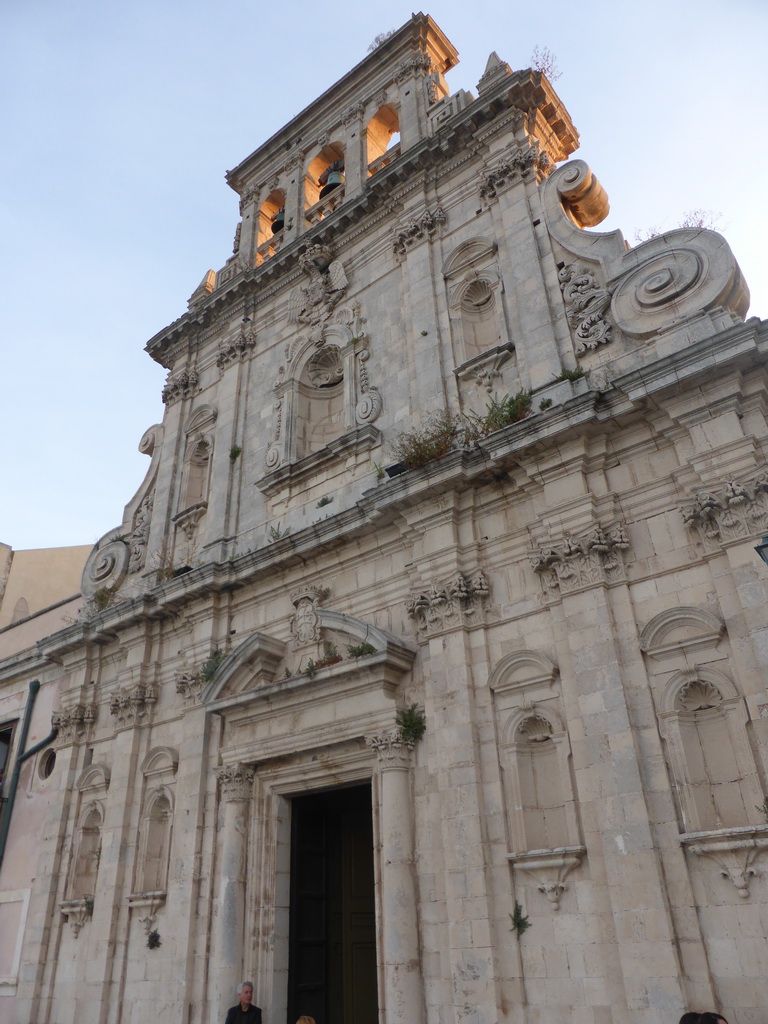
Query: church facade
[{"x": 424, "y": 679}]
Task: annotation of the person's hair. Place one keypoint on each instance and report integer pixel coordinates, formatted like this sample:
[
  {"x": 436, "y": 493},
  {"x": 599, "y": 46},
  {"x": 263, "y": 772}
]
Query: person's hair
[
  {"x": 711, "y": 1018},
  {"x": 244, "y": 984},
  {"x": 690, "y": 1018},
  {"x": 304, "y": 1019}
]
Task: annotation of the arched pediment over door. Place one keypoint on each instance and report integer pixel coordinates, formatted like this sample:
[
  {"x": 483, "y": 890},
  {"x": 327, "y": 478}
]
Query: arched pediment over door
[{"x": 278, "y": 697}]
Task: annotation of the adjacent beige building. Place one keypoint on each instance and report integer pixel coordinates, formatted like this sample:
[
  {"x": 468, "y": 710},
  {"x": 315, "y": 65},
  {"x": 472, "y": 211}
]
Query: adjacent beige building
[{"x": 568, "y": 598}]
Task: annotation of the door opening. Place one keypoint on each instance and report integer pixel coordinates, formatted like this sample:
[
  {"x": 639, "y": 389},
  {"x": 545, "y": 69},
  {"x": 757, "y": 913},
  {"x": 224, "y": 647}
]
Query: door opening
[{"x": 332, "y": 947}]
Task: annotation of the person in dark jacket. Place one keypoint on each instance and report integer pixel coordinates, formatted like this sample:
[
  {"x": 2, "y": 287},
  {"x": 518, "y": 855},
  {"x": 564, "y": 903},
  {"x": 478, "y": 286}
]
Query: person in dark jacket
[{"x": 245, "y": 1012}]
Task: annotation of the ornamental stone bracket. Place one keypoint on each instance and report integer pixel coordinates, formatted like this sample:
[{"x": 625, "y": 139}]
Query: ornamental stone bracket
[
  {"x": 75, "y": 724},
  {"x": 181, "y": 385},
  {"x": 461, "y": 601},
  {"x": 392, "y": 751},
  {"x": 549, "y": 869},
  {"x": 133, "y": 706},
  {"x": 486, "y": 370},
  {"x": 577, "y": 563},
  {"x": 77, "y": 911},
  {"x": 187, "y": 520},
  {"x": 734, "y": 511},
  {"x": 586, "y": 306},
  {"x": 305, "y": 624},
  {"x": 150, "y": 903},
  {"x": 235, "y": 781},
  {"x": 735, "y": 851},
  {"x": 421, "y": 228}
]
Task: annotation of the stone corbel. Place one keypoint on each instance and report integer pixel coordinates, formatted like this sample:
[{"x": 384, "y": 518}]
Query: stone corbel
[
  {"x": 549, "y": 869},
  {"x": 485, "y": 370},
  {"x": 188, "y": 518},
  {"x": 77, "y": 911},
  {"x": 735, "y": 851},
  {"x": 150, "y": 903}
]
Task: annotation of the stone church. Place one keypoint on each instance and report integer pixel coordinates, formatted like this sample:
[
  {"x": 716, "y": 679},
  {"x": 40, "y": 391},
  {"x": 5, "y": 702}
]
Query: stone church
[{"x": 423, "y": 680}]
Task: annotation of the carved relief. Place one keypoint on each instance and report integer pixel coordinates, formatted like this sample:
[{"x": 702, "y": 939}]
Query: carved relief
[
  {"x": 235, "y": 781},
  {"x": 315, "y": 301},
  {"x": 133, "y": 705},
  {"x": 736, "y": 510},
  {"x": 586, "y": 304},
  {"x": 75, "y": 724},
  {"x": 106, "y": 567},
  {"x": 249, "y": 196},
  {"x": 238, "y": 348},
  {"x": 512, "y": 168},
  {"x": 419, "y": 229},
  {"x": 576, "y": 563},
  {"x": 370, "y": 404},
  {"x": 182, "y": 385},
  {"x": 272, "y": 458},
  {"x": 392, "y": 750},
  {"x": 419, "y": 64},
  {"x": 189, "y": 685},
  {"x": 459, "y": 602},
  {"x": 305, "y": 624},
  {"x": 549, "y": 869},
  {"x": 735, "y": 852},
  {"x": 138, "y": 538}
]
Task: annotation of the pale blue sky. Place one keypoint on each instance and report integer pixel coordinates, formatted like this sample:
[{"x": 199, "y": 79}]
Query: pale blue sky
[{"x": 119, "y": 120}]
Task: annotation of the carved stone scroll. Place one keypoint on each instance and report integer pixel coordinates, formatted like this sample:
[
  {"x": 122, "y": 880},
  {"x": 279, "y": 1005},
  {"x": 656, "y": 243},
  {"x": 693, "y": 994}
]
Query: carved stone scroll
[
  {"x": 577, "y": 563},
  {"x": 459, "y": 602},
  {"x": 586, "y": 305}
]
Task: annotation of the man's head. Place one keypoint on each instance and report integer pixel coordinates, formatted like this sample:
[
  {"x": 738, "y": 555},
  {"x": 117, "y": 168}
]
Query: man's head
[{"x": 245, "y": 991}]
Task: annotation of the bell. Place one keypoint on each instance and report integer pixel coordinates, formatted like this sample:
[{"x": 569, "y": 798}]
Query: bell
[
  {"x": 335, "y": 178},
  {"x": 278, "y": 222}
]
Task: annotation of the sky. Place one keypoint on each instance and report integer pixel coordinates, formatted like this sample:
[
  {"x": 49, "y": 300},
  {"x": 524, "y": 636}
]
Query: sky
[{"x": 119, "y": 120}]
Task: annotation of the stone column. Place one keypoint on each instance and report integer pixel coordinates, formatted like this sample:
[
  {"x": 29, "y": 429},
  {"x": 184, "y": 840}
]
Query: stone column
[
  {"x": 236, "y": 784},
  {"x": 403, "y": 995}
]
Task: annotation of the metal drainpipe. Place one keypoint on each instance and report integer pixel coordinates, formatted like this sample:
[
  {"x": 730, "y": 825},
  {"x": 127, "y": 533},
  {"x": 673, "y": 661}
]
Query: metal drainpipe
[{"x": 21, "y": 757}]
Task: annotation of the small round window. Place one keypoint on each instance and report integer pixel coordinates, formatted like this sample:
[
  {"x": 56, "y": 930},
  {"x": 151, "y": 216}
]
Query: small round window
[{"x": 47, "y": 764}]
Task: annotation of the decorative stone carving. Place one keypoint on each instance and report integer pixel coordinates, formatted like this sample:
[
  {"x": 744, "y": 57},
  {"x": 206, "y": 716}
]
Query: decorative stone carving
[
  {"x": 549, "y": 868},
  {"x": 249, "y": 196},
  {"x": 512, "y": 168},
  {"x": 238, "y": 348},
  {"x": 305, "y": 624},
  {"x": 133, "y": 705},
  {"x": 138, "y": 538},
  {"x": 586, "y": 304},
  {"x": 391, "y": 749},
  {"x": 189, "y": 685},
  {"x": 236, "y": 240},
  {"x": 418, "y": 229},
  {"x": 535, "y": 729},
  {"x": 597, "y": 557},
  {"x": 182, "y": 385},
  {"x": 735, "y": 851},
  {"x": 353, "y": 114},
  {"x": 419, "y": 64},
  {"x": 459, "y": 602},
  {"x": 370, "y": 404},
  {"x": 314, "y": 302},
  {"x": 736, "y": 510},
  {"x": 326, "y": 367},
  {"x": 188, "y": 518},
  {"x": 77, "y": 911},
  {"x": 106, "y": 567},
  {"x": 74, "y": 724},
  {"x": 235, "y": 781},
  {"x": 272, "y": 458},
  {"x": 150, "y": 903},
  {"x": 486, "y": 370},
  {"x": 699, "y": 695}
]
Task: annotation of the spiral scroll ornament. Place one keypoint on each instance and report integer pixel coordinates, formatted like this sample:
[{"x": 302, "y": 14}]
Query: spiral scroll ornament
[{"x": 106, "y": 568}]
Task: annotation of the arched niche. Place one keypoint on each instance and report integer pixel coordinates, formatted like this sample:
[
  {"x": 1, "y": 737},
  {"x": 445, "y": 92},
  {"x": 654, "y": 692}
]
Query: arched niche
[
  {"x": 680, "y": 629},
  {"x": 160, "y": 761},
  {"x": 704, "y": 723},
  {"x": 198, "y": 454},
  {"x": 382, "y": 138},
  {"x": 475, "y": 306},
  {"x": 87, "y": 852},
  {"x": 154, "y": 841}
]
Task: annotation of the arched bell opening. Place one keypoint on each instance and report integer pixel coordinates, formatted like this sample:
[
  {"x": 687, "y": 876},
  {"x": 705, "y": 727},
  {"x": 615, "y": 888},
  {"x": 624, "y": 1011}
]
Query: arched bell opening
[
  {"x": 271, "y": 216},
  {"x": 382, "y": 138},
  {"x": 325, "y": 174}
]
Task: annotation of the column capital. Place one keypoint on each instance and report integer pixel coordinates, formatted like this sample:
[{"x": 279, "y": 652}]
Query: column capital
[
  {"x": 391, "y": 749},
  {"x": 235, "y": 781}
]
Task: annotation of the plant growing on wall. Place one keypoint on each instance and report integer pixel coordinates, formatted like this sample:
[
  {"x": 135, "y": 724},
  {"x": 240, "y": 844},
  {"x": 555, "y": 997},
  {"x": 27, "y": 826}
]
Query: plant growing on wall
[
  {"x": 411, "y": 723},
  {"x": 209, "y": 667},
  {"x": 360, "y": 650},
  {"x": 520, "y": 922}
]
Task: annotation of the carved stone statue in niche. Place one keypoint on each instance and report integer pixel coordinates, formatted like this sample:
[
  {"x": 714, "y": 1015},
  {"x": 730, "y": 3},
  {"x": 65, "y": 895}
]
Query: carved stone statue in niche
[{"x": 315, "y": 301}]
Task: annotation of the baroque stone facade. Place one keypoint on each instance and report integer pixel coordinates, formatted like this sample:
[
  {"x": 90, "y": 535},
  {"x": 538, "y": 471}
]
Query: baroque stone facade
[{"x": 569, "y": 603}]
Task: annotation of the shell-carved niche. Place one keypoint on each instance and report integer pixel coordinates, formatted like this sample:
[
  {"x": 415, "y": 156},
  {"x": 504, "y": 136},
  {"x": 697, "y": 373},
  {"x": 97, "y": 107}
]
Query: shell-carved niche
[
  {"x": 326, "y": 394},
  {"x": 483, "y": 354}
]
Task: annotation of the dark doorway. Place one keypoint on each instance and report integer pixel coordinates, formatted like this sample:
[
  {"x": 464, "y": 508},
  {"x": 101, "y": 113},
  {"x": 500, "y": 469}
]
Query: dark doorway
[{"x": 332, "y": 965}]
